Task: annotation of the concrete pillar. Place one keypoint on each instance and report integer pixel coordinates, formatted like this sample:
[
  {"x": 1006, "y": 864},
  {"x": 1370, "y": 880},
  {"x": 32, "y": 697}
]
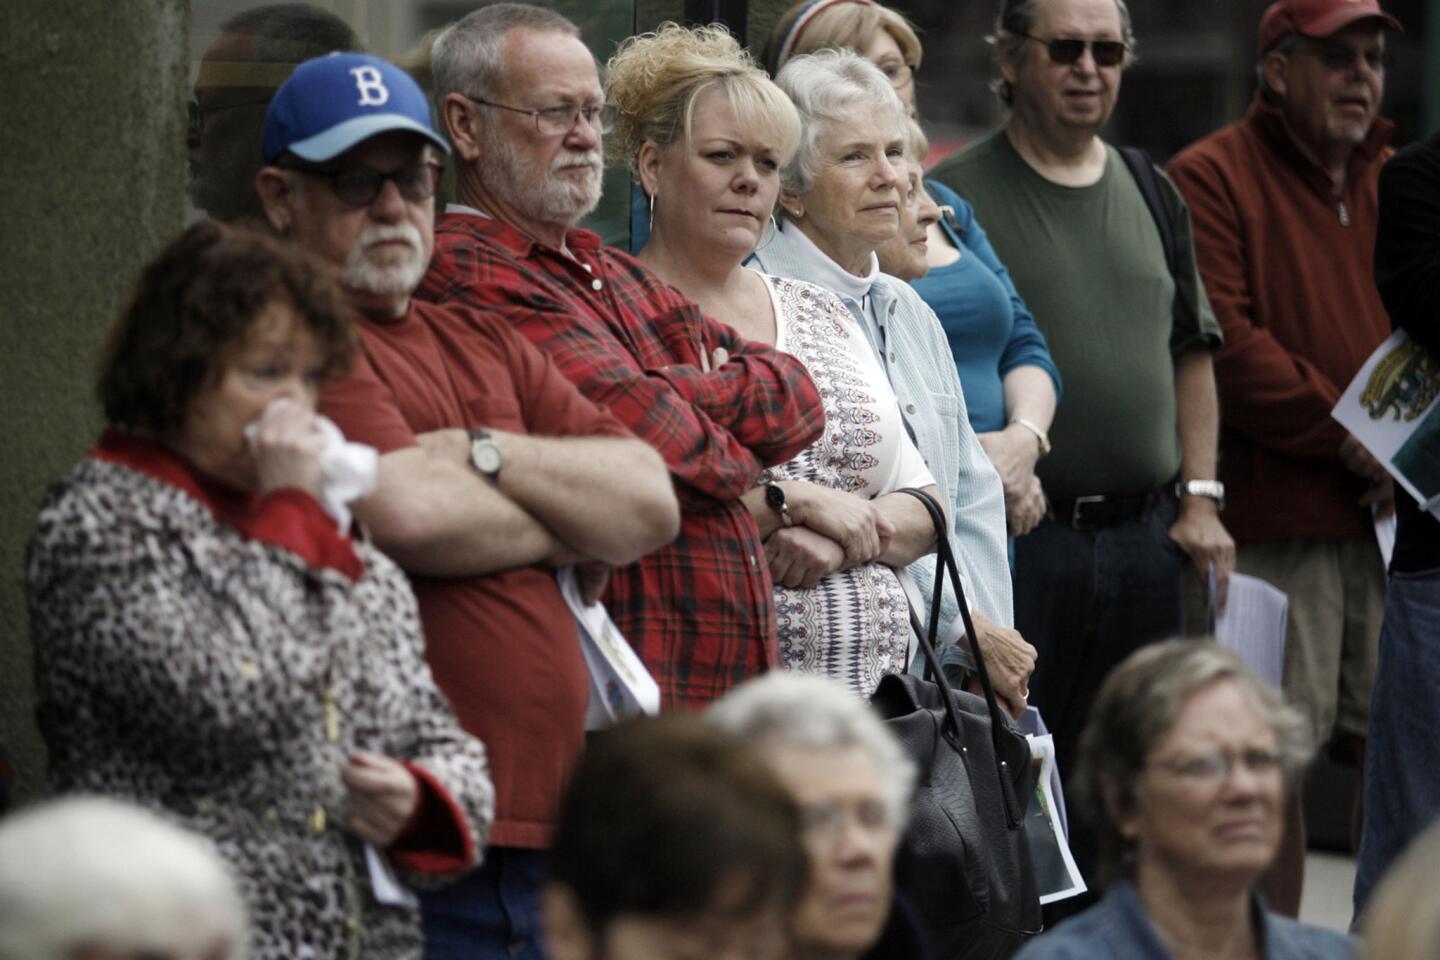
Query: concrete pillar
[{"x": 92, "y": 185}]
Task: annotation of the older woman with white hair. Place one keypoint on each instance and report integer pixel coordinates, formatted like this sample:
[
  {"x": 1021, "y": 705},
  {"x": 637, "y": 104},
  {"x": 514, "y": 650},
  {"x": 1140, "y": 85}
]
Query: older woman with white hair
[
  {"x": 841, "y": 200},
  {"x": 705, "y": 132},
  {"x": 852, "y": 781},
  {"x": 1011, "y": 383},
  {"x": 906, "y": 255},
  {"x": 88, "y": 878}
]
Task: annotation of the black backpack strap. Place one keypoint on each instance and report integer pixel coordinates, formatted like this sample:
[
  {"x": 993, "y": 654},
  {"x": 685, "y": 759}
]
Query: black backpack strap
[
  {"x": 1141, "y": 167},
  {"x": 1138, "y": 162}
]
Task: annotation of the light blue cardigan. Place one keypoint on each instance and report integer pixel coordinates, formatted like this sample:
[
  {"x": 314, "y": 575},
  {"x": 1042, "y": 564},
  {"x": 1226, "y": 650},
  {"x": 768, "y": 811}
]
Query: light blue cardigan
[{"x": 916, "y": 355}]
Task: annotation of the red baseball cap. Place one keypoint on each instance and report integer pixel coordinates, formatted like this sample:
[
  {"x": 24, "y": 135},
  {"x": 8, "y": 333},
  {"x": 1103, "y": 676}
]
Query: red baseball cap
[{"x": 1318, "y": 18}]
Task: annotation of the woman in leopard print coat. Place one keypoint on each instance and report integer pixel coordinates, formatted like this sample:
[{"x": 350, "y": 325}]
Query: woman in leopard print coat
[{"x": 208, "y": 645}]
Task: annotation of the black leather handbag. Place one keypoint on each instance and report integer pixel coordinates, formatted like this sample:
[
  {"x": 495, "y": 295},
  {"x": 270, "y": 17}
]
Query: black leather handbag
[{"x": 964, "y": 861}]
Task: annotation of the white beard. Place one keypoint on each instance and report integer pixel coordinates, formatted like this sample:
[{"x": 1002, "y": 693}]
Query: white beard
[
  {"x": 398, "y": 272},
  {"x": 543, "y": 197}
]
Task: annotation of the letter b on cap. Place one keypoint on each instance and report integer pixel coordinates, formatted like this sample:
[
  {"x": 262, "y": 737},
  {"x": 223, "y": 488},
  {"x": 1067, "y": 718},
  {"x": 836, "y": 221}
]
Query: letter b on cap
[{"x": 371, "y": 86}]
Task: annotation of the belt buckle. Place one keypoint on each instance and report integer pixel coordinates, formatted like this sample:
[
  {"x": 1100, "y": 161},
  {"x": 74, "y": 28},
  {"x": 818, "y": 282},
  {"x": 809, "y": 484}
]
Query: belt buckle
[{"x": 1080, "y": 504}]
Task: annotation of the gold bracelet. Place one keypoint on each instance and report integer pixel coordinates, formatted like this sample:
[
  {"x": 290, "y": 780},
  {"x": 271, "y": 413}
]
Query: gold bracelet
[{"x": 1041, "y": 437}]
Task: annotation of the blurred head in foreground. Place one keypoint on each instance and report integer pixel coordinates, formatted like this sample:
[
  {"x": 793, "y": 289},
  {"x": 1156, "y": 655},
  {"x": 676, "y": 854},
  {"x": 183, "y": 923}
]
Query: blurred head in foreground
[
  {"x": 1402, "y": 921},
  {"x": 852, "y": 780},
  {"x": 87, "y": 878},
  {"x": 674, "y": 841}
]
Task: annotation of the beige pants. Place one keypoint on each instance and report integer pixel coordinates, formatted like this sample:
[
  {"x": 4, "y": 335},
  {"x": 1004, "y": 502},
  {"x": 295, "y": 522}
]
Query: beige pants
[{"x": 1337, "y": 602}]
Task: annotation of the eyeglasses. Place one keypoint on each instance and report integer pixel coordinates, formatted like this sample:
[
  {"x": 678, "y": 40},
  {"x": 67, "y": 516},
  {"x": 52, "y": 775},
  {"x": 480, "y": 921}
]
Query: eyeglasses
[
  {"x": 359, "y": 186},
  {"x": 1216, "y": 766},
  {"x": 1066, "y": 50},
  {"x": 1340, "y": 57},
  {"x": 900, "y": 75},
  {"x": 558, "y": 121},
  {"x": 826, "y": 821}
]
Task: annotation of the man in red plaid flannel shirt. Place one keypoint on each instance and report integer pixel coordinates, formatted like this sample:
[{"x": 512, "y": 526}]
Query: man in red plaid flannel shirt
[{"x": 523, "y": 107}]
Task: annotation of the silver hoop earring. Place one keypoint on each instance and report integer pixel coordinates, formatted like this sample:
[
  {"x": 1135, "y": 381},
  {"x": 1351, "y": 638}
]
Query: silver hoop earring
[
  {"x": 652, "y": 213},
  {"x": 766, "y": 238}
]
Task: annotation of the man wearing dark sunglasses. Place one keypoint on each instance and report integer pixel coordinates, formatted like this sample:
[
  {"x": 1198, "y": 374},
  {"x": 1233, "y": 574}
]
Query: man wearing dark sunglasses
[
  {"x": 494, "y": 470},
  {"x": 1134, "y": 504},
  {"x": 1285, "y": 211}
]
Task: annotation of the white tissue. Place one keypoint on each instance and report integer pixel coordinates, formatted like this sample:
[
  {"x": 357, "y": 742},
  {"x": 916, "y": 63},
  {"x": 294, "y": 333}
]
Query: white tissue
[{"x": 347, "y": 470}]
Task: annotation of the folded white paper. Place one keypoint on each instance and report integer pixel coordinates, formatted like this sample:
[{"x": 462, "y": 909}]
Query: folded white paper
[
  {"x": 620, "y": 686},
  {"x": 1253, "y": 625},
  {"x": 1385, "y": 538},
  {"x": 388, "y": 890},
  {"x": 1055, "y": 872}
]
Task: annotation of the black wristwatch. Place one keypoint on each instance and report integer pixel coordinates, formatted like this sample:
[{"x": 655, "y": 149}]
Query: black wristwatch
[
  {"x": 775, "y": 499},
  {"x": 485, "y": 455}
]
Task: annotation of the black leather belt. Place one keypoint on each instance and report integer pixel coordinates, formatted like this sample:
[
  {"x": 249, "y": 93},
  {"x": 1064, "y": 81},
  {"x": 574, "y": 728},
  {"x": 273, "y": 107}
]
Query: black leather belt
[{"x": 1095, "y": 513}]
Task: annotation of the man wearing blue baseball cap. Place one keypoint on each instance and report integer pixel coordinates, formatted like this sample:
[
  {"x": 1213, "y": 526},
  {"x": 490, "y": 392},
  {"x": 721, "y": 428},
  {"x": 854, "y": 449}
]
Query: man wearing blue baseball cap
[{"x": 493, "y": 470}]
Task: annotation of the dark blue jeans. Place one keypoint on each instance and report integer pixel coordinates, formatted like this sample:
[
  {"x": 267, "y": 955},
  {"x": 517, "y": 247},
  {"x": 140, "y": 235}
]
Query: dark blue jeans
[
  {"x": 492, "y": 913},
  {"x": 1402, "y": 753},
  {"x": 1086, "y": 600}
]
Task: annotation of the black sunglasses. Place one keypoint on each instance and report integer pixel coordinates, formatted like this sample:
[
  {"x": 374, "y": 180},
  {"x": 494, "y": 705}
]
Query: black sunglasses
[
  {"x": 1107, "y": 53},
  {"x": 359, "y": 186}
]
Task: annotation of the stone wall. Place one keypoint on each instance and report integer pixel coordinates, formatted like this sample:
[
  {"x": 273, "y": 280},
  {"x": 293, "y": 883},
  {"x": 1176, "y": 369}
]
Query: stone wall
[{"x": 91, "y": 186}]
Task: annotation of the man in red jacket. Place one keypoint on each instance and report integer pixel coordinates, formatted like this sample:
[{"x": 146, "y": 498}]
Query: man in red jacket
[{"x": 1284, "y": 207}]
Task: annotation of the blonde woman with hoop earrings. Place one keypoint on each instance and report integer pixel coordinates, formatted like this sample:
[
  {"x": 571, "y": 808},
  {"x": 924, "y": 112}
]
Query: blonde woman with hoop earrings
[{"x": 706, "y": 132}]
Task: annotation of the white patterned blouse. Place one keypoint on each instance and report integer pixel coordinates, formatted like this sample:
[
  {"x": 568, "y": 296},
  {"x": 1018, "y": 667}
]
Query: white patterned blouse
[{"x": 854, "y": 625}]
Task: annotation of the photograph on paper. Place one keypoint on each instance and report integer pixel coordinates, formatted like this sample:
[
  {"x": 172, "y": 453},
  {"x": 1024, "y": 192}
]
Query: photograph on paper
[{"x": 1391, "y": 409}]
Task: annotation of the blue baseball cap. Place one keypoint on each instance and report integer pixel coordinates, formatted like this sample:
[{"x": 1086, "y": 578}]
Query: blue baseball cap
[{"x": 331, "y": 103}]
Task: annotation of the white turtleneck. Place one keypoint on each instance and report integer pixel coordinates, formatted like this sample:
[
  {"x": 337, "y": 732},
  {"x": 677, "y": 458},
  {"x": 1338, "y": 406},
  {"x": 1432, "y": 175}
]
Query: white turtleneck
[{"x": 833, "y": 277}]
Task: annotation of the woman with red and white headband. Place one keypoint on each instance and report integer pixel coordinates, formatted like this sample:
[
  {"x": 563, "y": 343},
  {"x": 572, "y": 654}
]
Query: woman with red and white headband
[{"x": 1011, "y": 385}]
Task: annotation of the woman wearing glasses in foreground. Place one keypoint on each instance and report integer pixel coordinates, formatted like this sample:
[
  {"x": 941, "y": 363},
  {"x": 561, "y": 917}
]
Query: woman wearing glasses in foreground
[{"x": 1184, "y": 766}]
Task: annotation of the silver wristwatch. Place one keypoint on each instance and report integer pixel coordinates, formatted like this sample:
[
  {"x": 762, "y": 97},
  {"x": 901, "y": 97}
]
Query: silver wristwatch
[
  {"x": 485, "y": 455},
  {"x": 1210, "y": 489}
]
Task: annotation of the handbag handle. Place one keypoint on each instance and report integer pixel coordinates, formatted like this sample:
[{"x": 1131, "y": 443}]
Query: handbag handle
[{"x": 945, "y": 565}]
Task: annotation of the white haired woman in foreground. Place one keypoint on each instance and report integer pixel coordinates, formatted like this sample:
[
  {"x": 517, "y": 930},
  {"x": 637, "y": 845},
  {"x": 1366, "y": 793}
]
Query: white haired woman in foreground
[
  {"x": 86, "y": 878},
  {"x": 852, "y": 781}
]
